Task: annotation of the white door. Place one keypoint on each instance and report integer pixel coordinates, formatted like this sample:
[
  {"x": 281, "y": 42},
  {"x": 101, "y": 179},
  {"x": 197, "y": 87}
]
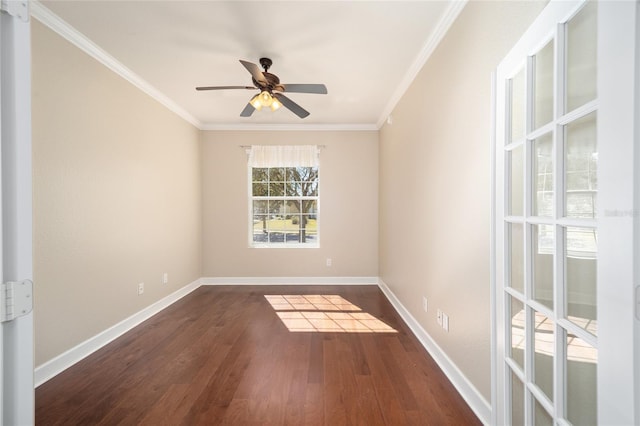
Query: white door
[
  {"x": 16, "y": 336},
  {"x": 565, "y": 215}
]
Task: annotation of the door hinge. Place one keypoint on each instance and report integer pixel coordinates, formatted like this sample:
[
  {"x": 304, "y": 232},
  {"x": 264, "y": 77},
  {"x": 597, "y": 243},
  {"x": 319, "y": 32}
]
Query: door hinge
[
  {"x": 16, "y": 8},
  {"x": 16, "y": 299}
]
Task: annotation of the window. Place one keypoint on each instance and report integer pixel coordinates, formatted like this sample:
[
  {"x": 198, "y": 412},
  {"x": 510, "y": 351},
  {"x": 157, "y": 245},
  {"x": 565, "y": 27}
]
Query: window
[{"x": 283, "y": 196}]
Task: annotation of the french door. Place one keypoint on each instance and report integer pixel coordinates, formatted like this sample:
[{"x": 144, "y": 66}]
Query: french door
[{"x": 565, "y": 214}]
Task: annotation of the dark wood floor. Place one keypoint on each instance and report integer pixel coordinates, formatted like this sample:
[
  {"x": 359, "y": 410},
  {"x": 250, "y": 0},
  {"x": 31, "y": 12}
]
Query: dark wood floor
[{"x": 221, "y": 355}]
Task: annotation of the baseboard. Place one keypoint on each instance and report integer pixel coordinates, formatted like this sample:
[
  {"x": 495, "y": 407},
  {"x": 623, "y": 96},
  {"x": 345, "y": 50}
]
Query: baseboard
[
  {"x": 476, "y": 401},
  {"x": 65, "y": 360},
  {"x": 290, "y": 281}
]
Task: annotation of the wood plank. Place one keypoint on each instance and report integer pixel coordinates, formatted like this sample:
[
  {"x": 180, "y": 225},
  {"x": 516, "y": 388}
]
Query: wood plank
[{"x": 221, "y": 355}]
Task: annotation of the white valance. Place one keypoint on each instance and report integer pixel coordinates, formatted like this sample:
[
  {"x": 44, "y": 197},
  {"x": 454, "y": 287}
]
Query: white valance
[{"x": 283, "y": 156}]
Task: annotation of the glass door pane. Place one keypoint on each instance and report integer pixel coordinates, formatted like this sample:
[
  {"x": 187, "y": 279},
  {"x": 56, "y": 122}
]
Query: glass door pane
[
  {"x": 517, "y": 331},
  {"x": 543, "y": 86},
  {"x": 516, "y": 185},
  {"x": 542, "y": 179},
  {"x": 543, "y": 247},
  {"x": 516, "y": 280},
  {"x": 544, "y": 348},
  {"x": 581, "y": 273},
  {"x": 541, "y": 417},
  {"x": 517, "y": 401},
  {"x": 582, "y": 57},
  {"x": 518, "y": 93},
  {"x": 581, "y": 167},
  {"x": 581, "y": 396}
]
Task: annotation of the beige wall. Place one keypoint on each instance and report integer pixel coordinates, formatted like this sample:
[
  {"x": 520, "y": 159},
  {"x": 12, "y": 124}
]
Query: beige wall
[
  {"x": 116, "y": 197},
  {"x": 348, "y": 207},
  {"x": 435, "y": 184}
]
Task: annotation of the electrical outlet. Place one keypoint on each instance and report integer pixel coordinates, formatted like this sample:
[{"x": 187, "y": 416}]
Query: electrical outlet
[
  {"x": 329, "y": 261},
  {"x": 140, "y": 288},
  {"x": 445, "y": 322},
  {"x": 439, "y": 317},
  {"x": 165, "y": 278},
  {"x": 425, "y": 304}
]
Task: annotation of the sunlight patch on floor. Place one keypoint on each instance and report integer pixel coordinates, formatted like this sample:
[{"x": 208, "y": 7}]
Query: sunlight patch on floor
[{"x": 324, "y": 313}]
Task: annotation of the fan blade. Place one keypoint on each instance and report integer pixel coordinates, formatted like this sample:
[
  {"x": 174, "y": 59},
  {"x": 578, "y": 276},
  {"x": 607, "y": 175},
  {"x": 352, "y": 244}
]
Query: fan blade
[
  {"x": 292, "y": 106},
  {"x": 305, "y": 88},
  {"x": 225, "y": 87},
  {"x": 255, "y": 72},
  {"x": 247, "y": 111}
]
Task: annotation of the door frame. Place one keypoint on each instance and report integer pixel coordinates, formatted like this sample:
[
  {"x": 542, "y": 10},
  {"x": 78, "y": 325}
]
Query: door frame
[
  {"x": 16, "y": 264},
  {"x": 618, "y": 220}
]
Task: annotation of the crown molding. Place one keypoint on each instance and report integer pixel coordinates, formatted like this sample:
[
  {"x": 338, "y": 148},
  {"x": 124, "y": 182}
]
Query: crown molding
[
  {"x": 66, "y": 31},
  {"x": 450, "y": 15},
  {"x": 291, "y": 127}
]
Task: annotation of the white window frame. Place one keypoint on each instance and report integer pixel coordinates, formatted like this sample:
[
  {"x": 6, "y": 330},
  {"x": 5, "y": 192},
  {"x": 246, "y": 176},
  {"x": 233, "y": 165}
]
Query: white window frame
[{"x": 283, "y": 245}]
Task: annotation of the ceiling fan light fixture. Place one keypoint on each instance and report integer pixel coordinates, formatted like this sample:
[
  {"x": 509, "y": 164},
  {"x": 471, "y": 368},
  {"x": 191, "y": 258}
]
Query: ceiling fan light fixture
[
  {"x": 265, "y": 98},
  {"x": 255, "y": 102},
  {"x": 275, "y": 105}
]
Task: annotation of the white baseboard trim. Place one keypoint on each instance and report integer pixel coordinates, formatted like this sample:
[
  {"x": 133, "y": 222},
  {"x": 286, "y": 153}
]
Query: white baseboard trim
[
  {"x": 65, "y": 360},
  {"x": 476, "y": 401},
  {"x": 290, "y": 281}
]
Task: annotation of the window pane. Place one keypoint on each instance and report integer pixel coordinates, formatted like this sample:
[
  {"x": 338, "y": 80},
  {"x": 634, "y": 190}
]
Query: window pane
[
  {"x": 517, "y": 331},
  {"x": 260, "y": 207},
  {"x": 517, "y": 401},
  {"x": 276, "y": 237},
  {"x": 582, "y": 57},
  {"x": 517, "y": 257},
  {"x": 276, "y": 208},
  {"x": 517, "y": 174},
  {"x": 543, "y": 86},
  {"x": 581, "y": 365},
  {"x": 259, "y": 174},
  {"x": 293, "y": 206},
  {"x": 541, "y": 417},
  {"x": 293, "y": 189},
  {"x": 516, "y": 198},
  {"x": 581, "y": 164},
  {"x": 518, "y": 91},
  {"x": 543, "y": 176},
  {"x": 292, "y": 174},
  {"x": 260, "y": 190},
  {"x": 543, "y": 354},
  {"x": 276, "y": 174},
  {"x": 581, "y": 273},
  {"x": 310, "y": 206},
  {"x": 542, "y": 241},
  {"x": 276, "y": 189},
  {"x": 310, "y": 189},
  {"x": 260, "y": 236}
]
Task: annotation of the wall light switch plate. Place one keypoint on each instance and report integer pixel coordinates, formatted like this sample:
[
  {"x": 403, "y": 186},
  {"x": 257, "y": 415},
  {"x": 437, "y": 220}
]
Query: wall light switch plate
[
  {"x": 425, "y": 304},
  {"x": 140, "y": 288},
  {"x": 445, "y": 322}
]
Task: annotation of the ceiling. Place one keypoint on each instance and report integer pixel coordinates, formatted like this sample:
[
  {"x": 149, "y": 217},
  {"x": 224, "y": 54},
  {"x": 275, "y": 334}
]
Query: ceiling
[{"x": 365, "y": 52}]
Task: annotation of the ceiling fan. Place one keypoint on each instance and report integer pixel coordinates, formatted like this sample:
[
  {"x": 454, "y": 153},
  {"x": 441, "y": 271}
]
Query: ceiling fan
[{"x": 271, "y": 90}]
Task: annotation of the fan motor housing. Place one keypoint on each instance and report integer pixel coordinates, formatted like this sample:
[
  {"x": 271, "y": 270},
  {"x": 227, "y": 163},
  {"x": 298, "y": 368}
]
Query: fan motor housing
[{"x": 272, "y": 81}]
